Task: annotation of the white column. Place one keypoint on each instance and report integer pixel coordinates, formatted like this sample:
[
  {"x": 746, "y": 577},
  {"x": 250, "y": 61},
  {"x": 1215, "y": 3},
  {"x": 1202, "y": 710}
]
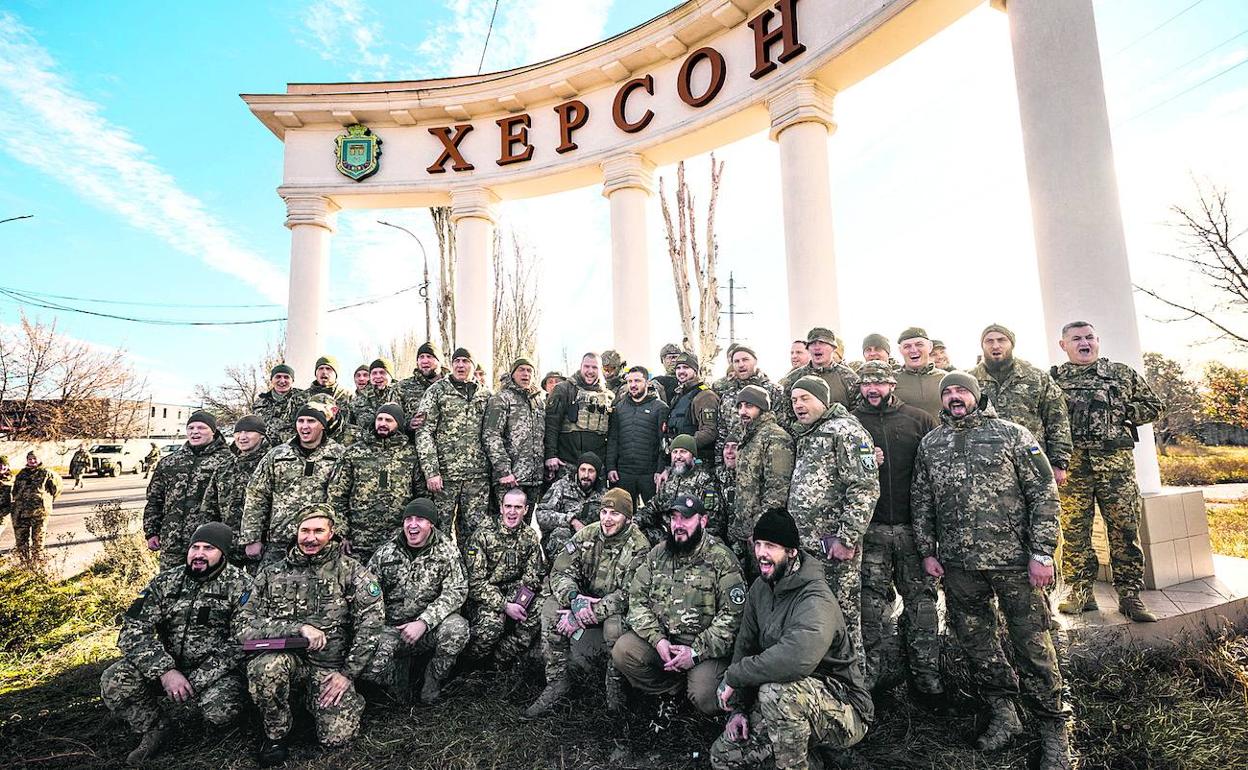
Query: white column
[
  {"x": 473, "y": 214},
  {"x": 311, "y": 222},
  {"x": 801, "y": 120},
  {"x": 627, "y": 182},
  {"x": 1080, "y": 246}
]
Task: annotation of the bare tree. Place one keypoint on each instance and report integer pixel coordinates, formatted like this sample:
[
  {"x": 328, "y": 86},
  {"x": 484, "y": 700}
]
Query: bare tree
[
  {"x": 234, "y": 398},
  {"x": 1207, "y": 238},
  {"x": 445, "y": 231},
  {"x": 687, "y": 255},
  {"x": 516, "y": 313}
]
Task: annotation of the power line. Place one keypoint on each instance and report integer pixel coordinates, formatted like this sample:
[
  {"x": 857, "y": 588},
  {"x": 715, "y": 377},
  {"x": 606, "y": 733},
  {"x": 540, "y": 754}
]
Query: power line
[
  {"x": 1159, "y": 26},
  {"x": 1185, "y": 91},
  {"x": 486, "y": 47},
  {"x": 97, "y": 300},
  {"x": 1208, "y": 51}
]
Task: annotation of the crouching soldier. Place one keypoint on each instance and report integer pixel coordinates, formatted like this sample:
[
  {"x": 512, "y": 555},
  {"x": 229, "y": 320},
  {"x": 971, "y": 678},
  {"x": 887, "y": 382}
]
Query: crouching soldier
[
  {"x": 794, "y": 671},
  {"x": 177, "y": 639},
  {"x": 563, "y": 511},
  {"x": 424, "y": 587},
  {"x": 589, "y": 599},
  {"x": 319, "y": 593},
  {"x": 685, "y": 477}
]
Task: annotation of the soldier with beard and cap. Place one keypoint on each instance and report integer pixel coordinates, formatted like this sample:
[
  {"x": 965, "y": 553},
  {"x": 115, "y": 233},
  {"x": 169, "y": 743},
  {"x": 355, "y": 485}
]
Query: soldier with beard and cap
[
  {"x": 685, "y": 477},
  {"x": 412, "y": 389},
  {"x": 452, "y": 454},
  {"x": 227, "y": 489},
  {"x": 34, "y": 489},
  {"x": 743, "y": 373},
  {"x": 361, "y": 380},
  {"x": 287, "y": 479},
  {"x": 694, "y": 410},
  {"x": 841, "y": 381},
  {"x": 589, "y": 594},
  {"x": 578, "y": 417},
  {"x": 176, "y": 491},
  {"x": 635, "y": 438},
  {"x": 318, "y": 592},
  {"x": 613, "y": 368},
  {"x": 514, "y": 431},
  {"x": 667, "y": 380},
  {"x": 278, "y": 405},
  {"x": 570, "y": 503},
  {"x": 178, "y": 640},
  {"x": 762, "y": 463},
  {"x": 684, "y": 608},
  {"x": 423, "y": 582},
  {"x": 918, "y": 379},
  {"x": 381, "y": 389},
  {"x": 833, "y": 492},
  {"x": 325, "y": 382},
  {"x": 375, "y": 477},
  {"x": 794, "y": 685}
]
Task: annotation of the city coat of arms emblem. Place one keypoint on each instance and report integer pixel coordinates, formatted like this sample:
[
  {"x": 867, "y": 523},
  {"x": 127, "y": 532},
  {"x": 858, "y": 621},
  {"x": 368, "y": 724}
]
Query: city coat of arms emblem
[{"x": 358, "y": 152}]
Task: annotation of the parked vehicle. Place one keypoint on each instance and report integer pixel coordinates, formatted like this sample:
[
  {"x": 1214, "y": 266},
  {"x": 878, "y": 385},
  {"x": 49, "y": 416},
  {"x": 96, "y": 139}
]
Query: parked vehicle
[{"x": 115, "y": 459}]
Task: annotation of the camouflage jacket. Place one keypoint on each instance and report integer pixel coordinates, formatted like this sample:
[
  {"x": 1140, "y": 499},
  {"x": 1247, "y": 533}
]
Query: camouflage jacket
[
  {"x": 729, "y": 422},
  {"x": 835, "y": 481},
  {"x": 190, "y": 625},
  {"x": 34, "y": 489},
  {"x": 1029, "y": 396},
  {"x": 176, "y": 492},
  {"x": 329, "y": 591},
  {"x": 565, "y": 501},
  {"x": 513, "y": 432},
  {"x": 593, "y": 564},
  {"x": 286, "y": 479},
  {"x": 1106, "y": 402},
  {"x": 425, "y": 583},
  {"x": 449, "y": 442},
  {"x": 340, "y": 396},
  {"x": 412, "y": 390},
  {"x": 373, "y": 481},
  {"x": 499, "y": 561},
  {"x": 699, "y": 483},
  {"x": 764, "y": 469},
  {"x": 364, "y": 406},
  {"x": 694, "y": 598},
  {"x": 278, "y": 412},
  {"x": 983, "y": 496},
  {"x": 920, "y": 388},
  {"x": 227, "y": 489},
  {"x": 842, "y": 385},
  {"x": 6, "y": 494}
]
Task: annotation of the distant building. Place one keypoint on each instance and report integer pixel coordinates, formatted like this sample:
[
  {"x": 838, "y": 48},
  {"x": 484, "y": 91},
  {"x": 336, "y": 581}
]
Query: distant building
[{"x": 53, "y": 419}]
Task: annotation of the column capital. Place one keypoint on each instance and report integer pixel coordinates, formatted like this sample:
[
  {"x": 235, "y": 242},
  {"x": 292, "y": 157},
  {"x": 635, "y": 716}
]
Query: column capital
[
  {"x": 478, "y": 202},
  {"x": 802, "y": 101},
  {"x": 629, "y": 170},
  {"x": 310, "y": 209}
]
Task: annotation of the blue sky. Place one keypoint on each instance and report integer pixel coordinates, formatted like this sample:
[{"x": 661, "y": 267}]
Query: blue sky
[{"x": 151, "y": 182}]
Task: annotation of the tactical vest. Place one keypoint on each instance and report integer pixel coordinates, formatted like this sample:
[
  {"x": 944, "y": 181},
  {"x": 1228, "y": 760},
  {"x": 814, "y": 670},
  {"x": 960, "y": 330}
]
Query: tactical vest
[
  {"x": 588, "y": 412},
  {"x": 680, "y": 420},
  {"x": 1098, "y": 412}
]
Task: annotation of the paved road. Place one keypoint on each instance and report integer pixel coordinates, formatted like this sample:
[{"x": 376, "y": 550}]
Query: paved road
[{"x": 70, "y": 546}]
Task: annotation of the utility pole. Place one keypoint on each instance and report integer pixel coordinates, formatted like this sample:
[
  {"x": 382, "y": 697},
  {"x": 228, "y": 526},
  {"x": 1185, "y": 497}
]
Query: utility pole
[
  {"x": 424, "y": 287},
  {"x": 732, "y": 308}
]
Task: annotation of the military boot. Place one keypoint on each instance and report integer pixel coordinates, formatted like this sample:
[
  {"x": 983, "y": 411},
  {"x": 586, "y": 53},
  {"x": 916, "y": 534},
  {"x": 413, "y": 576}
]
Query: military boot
[
  {"x": 1080, "y": 599},
  {"x": 1129, "y": 604},
  {"x": 148, "y": 746},
  {"x": 1054, "y": 745},
  {"x": 1003, "y": 725},
  {"x": 272, "y": 752},
  {"x": 435, "y": 675},
  {"x": 615, "y": 690},
  {"x": 550, "y": 696}
]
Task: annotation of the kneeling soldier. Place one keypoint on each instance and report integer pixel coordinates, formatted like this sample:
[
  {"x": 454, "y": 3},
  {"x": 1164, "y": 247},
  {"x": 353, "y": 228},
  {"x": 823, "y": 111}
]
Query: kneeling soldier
[
  {"x": 424, "y": 586},
  {"x": 793, "y": 662},
  {"x": 504, "y": 556},
  {"x": 178, "y": 637},
  {"x": 331, "y": 600},
  {"x": 588, "y": 597}
]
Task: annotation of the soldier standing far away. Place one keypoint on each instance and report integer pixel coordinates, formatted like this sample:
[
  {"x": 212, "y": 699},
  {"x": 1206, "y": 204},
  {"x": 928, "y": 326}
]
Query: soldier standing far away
[
  {"x": 6, "y": 490},
  {"x": 34, "y": 490},
  {"x": 80, "y": 463},
  {"x": 1107, "y": 401},
  {"x": 150, "y": 460}
]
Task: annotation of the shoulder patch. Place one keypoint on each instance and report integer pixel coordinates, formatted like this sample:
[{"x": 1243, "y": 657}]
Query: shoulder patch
[
  {"x": 736, "y": 594},
  {"x": 470, "y": 551},
  {"x": 1034, "y": 449},
  {"x": 243, "y": 599},
  {"x": 570, "y": 547},
  {"x": 374, "y": 589}
]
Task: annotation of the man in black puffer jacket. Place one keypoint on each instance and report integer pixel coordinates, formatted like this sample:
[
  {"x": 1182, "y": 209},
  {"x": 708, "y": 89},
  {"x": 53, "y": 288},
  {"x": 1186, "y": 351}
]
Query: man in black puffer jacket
[{"x": 635, "y": 437}]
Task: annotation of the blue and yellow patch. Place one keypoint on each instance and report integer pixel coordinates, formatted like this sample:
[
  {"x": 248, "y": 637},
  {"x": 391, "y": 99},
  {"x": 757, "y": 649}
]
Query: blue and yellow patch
[
  {"x": 1034, "y": 449},
  {"x": 243, "y": 599}
]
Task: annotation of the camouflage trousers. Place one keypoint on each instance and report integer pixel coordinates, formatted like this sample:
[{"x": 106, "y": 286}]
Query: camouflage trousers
[
  {"x": 595, "y": 642},
  {"x": 494, "y": 632},
  {"x": 1104, "y": 480},
  {"x": 137, "y": 700},
  {"x": 172, "y": 555},
  {"x": 973, "y": 615},
  {"x": 845, "y": 580},
  {"x": 463, "y": 504},
  {"x": 271, "y": 679},
  {"x": 787, "y": 722},
  {"x": 28, "y": 537},
  {"x": 390, "y": 665},
  {"x": 641, "y": 665},
  {"x": 891, "y": 565}
]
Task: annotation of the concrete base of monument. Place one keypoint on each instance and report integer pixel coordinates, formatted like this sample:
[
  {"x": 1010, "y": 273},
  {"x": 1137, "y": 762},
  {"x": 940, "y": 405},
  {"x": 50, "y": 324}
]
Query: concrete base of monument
[{"x": 1191, "y": 610}]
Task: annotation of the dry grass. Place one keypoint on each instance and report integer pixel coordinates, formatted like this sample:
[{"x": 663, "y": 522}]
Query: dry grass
[
  {"x": 1200, "y": 465},
  {"x": 1228, "y": 528}
]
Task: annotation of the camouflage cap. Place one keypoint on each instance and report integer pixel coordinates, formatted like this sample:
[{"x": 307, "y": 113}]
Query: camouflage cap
[
  {"x": 519, "y": 362},
  {"x": 821, "y": 334},
  {"x": 911, "y": 333},
  {"x": 670, "y": 349},
  {"x": 876, "y": 341},
  {"x": 619, "y": 501},
  {"x": 686, "y": 442},
  {"x": 1000, "y": 330},
  {"x": 612, "y": 358},
  {"x": 876, "y": 371},
  {"x": 317, "y": 511},
  {"x": 382, "y": 363},
  {"x": 938, "y": 344},
  {"x": 329, "y": 361},
  {"x": 4, "y": 459},
  {"x": 318, "y": 411},
  {"x": 741, "y": 347}
]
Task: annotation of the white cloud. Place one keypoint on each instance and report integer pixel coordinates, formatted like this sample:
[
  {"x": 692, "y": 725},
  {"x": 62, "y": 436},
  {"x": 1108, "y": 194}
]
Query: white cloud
[
  {"x": 101, "y": 162},
  {"x": 341, "y": 32}
]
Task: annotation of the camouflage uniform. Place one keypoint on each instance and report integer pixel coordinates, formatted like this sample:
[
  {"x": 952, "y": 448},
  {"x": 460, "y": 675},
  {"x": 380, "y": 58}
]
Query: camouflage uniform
[
  {"x": 34, "y": 489},
  {"x": 513, "y": 432},
  {"x": 730, "y": 430},
  {"x": 285, "y": 481},
  {"x": 183, "y": 623},
  {"x": 374, "y": 479},
  {"x": 227, "y": 491},
  {"x": 833, "y": 492},
  {"x": 450, "y": 446},
  {"x": 842, "y": 386},
  {"x": 78, "y": 465},
  {"x": 591, "y": 564},
  {"x": 499, "y": 561},
  {"x": 563, "y": 502},
  {"x": 920, "y": 388},
  {"x": 697, "y": 482},
  {"x": 335, "y": 594},
  {"x": 984, "y": 502},
  {"x": 341, "y": 398},
  {"x": 1029, "y": 396},
  {"x": 693, "y": 599},
  {"x": 278, "y": 412},
  {"x": 6, "y": 496},
  {"x": 364, "y": 406},
  {"x": 412, "y": 390},
  {"x": 1106, "y": 402},
  {"x": 428, "y": 584},
  {"x": 175, "y": 495},
  {"x": 764, "y": 468}
]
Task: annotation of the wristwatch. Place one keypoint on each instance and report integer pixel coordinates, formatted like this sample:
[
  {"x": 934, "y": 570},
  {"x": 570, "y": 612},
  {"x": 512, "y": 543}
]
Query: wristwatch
[
  {"x": 693, "y": 655},
  {"x": 1044, "y": 561}
]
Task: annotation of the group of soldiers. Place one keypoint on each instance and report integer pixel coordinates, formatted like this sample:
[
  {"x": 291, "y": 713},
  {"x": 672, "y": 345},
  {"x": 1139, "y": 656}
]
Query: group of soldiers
[{"x": 742, "y": 542}]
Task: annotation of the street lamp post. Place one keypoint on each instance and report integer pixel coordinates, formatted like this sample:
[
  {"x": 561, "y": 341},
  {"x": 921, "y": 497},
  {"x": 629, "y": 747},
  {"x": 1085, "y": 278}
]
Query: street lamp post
[{"x": 424, "y": 287}]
